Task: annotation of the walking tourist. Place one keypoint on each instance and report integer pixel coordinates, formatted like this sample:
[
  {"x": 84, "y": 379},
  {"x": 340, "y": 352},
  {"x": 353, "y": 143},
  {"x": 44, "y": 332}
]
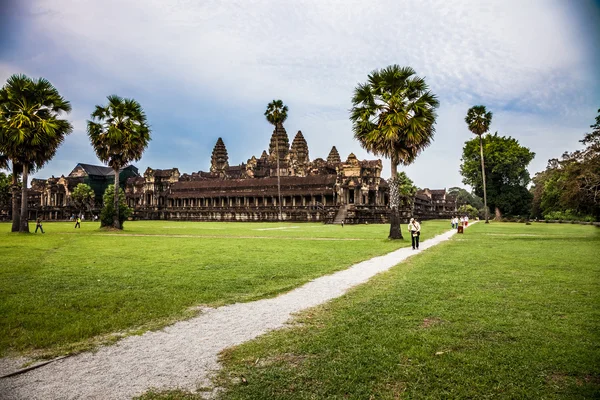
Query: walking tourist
[
  {"x": 38, "y": 225},
  {"x": 466, "y": 220},
  {"x": 78, "y": 223},
  {"x": 415, "y": 231}
]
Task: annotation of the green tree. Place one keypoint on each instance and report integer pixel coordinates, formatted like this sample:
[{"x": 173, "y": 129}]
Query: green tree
[
  {"x": 571, "y": 185},
  {"x": 119, "y": 134},
  {"x": 464, "y": 197},
  {"x": 108, "y": 212},
  {"x": 479, "y": 119},
  {"x": 406, "y": 189},
  {"x": 5, "y": 185},
  {"x": 393, "y": 116},
  {"x": 83, "y": 197},
  {"x": 507, "y": 177},
  {"x": 467, "y": 209},
  {"x": 276, "y": 114},
  {"x": 31, "y": 129}
]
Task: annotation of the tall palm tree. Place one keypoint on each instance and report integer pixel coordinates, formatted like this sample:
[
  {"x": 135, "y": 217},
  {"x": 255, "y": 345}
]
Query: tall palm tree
[
  {"x": 479, "y": 119},
  {"x": 393, "y": 116},
  {"x": 31, "y": 129},
  {"x": 119, "y": 134},
  {"x": 276, "y": 114}
]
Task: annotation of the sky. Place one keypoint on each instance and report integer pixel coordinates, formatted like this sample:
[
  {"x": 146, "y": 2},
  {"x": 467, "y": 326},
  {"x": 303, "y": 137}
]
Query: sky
[{"x": 204, "y": 69}]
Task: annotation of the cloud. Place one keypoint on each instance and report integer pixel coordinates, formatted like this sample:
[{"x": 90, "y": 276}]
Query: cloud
[{"x": 207, "y": 69}]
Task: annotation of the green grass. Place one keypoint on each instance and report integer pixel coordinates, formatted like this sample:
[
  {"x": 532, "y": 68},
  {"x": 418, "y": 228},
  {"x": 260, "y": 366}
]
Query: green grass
[
  {"x": 68, "y": 290},
  {"x": 505, "y": 311}
]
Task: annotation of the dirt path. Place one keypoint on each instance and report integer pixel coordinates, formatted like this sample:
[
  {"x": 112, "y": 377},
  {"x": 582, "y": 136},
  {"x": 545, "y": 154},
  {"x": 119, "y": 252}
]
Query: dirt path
[{"x": 184, "y": 355}]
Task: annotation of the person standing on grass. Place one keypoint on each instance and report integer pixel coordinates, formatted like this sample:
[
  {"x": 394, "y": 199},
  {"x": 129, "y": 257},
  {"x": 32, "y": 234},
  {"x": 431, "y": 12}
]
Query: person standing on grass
[
  {"x": 466, "y": 220},
  {"x": 78, "y": 223},
  {"x": 38, "y": 225},
  {"x": 415, "y": 231}
]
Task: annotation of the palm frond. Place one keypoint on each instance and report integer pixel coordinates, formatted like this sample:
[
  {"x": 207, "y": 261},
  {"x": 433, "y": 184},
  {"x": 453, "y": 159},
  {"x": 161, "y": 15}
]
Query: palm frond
[{"x": 393, "y": 114}]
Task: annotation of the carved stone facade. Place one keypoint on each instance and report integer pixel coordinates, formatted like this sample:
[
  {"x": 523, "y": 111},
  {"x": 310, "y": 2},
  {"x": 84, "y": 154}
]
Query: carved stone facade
[{"x": 310, "y": 190}]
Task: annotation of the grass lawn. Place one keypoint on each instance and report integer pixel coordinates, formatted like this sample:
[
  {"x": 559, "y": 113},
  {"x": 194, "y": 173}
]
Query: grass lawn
[
  {"x": 67, "y": 290},
  {"x": 504, "y": 311}
]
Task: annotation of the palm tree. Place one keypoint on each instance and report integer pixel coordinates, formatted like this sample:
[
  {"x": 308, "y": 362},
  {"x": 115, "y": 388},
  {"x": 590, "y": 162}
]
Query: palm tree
[
  {"x": 479, "y": 120},
  {"x": 119, "y": 134},
  {"x": 31, "y": 129},
  {"x": 276, "y": 114},
  {"x": 393, "y": 115}
]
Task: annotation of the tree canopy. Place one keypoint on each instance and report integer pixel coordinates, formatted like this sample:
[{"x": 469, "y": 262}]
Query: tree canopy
[
  {"x": 506, "y": 171},
  {"x": 464, "y": 197},
  {"x": 5, "y": 185},
  {"x": 276, "y": 112},
  {"x": 478, "y": 120},
  {"x": 83, "y": 196},
  {"x": 108, "y": 210},
  {"x": 569, "y": 188}
]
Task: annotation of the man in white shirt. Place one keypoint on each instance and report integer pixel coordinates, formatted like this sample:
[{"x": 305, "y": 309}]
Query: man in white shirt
[{"x": 414, "y": 228}]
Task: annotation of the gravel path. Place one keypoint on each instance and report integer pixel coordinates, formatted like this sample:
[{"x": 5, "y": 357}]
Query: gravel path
[{"x": 184, "y": 355}]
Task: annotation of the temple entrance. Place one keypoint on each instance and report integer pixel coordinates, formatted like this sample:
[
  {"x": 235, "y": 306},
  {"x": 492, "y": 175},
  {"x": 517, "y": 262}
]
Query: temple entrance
[
  {"x": 372, "y": 197},
  {"x": 350, "y": 196}
]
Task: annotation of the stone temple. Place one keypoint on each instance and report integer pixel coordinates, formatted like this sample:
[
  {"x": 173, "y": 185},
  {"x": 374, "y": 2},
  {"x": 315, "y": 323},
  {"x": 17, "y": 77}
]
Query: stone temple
[
  {"x": 329, "y": 190},
  {"x": 311, "y": 190}
]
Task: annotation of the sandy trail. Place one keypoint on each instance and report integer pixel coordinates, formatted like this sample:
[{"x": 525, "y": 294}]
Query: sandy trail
[{"x": 185, "y": 354}]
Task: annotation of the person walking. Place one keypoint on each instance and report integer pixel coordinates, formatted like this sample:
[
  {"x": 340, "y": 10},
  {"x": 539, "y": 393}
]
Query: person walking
[
  {"x": 415, "y": 231},
  {"x": 38, "y": 225},
  {"x": 78, "y": 223}
]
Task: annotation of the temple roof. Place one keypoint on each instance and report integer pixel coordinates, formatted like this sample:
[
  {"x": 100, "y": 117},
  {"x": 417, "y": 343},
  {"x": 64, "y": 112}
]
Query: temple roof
[
  {"x": 97, "y": 170},
  {"x": 334, "y": 156},
  {"x": 300, "y": 148},
  {"x": 280, "y": 140},
  {"x": 290, "y": 185}
]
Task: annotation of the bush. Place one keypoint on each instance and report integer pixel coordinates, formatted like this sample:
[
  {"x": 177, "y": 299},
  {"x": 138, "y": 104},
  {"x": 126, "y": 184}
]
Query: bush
[
  {"x": 568, "y": 215},
  {"x": 108, "y": 210},
  {"x": 469, "y": 210}
]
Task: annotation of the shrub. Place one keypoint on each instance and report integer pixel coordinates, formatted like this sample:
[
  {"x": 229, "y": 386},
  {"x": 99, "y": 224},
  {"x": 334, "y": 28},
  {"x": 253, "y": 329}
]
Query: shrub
[
  {"x": 469, "y": 210},
  {"x": 108, "y": 210},
  {"x": 568, "y": 215}
]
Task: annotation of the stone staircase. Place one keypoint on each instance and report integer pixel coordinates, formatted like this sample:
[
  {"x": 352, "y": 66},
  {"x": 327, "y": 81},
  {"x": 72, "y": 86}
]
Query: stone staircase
[{"x": 341, "y": 214}]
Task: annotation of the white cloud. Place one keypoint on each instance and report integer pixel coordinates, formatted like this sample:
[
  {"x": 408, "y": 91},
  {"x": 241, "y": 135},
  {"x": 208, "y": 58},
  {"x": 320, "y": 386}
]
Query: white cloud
[{"x": 312, "y": 53}]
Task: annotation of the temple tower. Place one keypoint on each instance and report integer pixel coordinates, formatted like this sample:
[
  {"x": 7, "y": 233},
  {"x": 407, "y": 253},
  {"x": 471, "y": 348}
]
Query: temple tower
[
  {"x": 279, "y": 137},
  {"x": 219, "y": 160},
  {"x": 334, "y": 156},
  {"x": 299, "y": 151}
]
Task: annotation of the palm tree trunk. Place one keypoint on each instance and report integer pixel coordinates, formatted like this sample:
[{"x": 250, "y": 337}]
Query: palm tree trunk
[
  {"x": 278, "y": 174},
  {"x": 483, "y": 175},
  {"x": 116, "y": 223},
  {"x": 24, "y": 227},
  {"x": 16, "y": 213},
  {"x": 395, "y": 231}
]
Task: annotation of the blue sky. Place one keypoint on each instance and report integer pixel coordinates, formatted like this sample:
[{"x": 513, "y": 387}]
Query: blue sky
[{"x": 207, "y": 69}]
